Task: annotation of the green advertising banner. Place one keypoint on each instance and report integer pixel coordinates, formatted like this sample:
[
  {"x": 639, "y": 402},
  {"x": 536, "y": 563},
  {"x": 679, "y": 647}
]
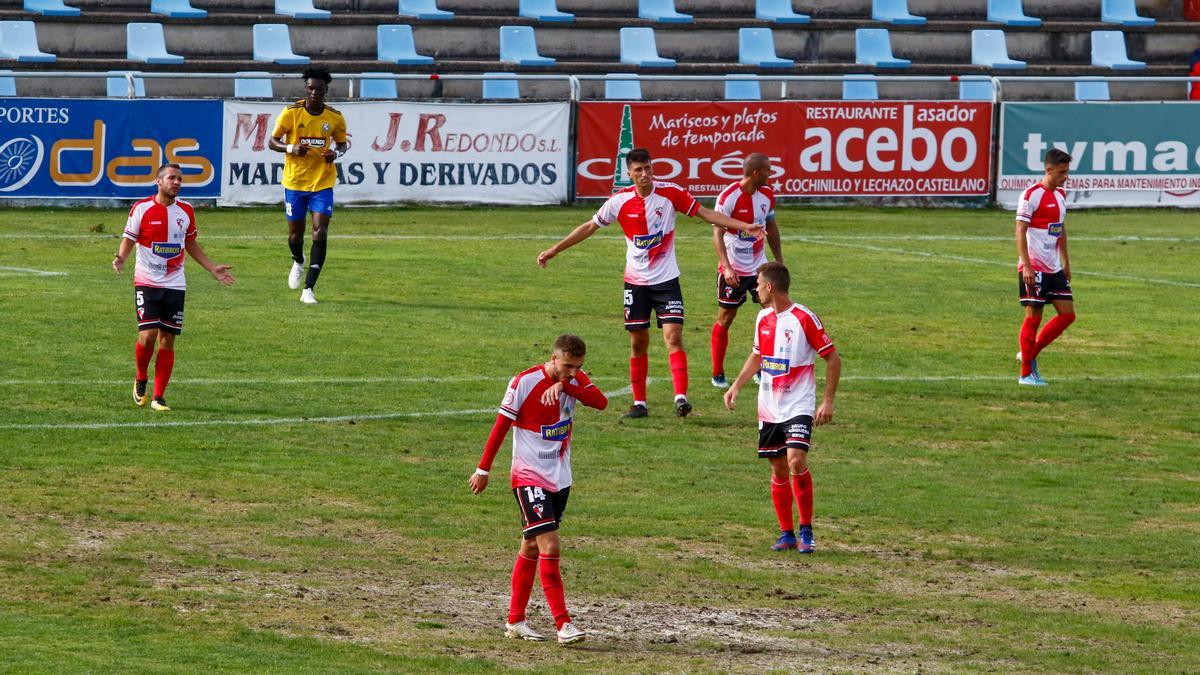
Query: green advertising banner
[{"x": 1122, "y": 154}]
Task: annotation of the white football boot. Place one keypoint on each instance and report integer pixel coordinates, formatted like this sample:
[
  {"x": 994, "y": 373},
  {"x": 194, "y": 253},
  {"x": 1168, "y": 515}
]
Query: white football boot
[
  {"x": 307, "y": 297},
  {"x": 569, "y": 634},
  {"x": 296, "y": 276},
  {"x": 522, "y": 631}
]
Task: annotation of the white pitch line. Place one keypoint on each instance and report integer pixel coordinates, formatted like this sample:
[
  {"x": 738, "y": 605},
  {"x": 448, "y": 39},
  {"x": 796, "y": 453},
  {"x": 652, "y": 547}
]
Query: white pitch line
[
  {"x": 27, "y": 270},
  {"x": 304, "y": 380},
  {"x": 556, "y": 237}
]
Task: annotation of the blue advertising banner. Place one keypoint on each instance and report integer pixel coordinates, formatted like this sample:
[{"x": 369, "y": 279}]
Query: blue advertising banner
[{"x": 104, "y": 149}]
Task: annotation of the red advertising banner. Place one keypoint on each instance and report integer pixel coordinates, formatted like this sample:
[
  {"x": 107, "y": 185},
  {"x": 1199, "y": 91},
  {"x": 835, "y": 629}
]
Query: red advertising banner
[{"x": 818, "y": 148}]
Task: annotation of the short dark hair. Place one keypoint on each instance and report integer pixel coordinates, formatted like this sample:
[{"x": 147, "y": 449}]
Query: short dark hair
[
  {"x": 1054, "y": 157},
  {"x": 639, "y": 155},
  {"x": 317, "y": 73},
  {"x": 163, "y": 169},
  {"x": 570, "y": 344},
  {"x": 776, "y": 274}
]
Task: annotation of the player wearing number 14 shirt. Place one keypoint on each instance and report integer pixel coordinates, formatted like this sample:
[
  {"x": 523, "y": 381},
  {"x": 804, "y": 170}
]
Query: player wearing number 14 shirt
[{"x": 539, "y": 408}]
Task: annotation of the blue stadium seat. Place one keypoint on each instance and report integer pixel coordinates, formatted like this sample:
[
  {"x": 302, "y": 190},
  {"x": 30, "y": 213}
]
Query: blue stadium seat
[
  {"x": 662, "y": 11},
  {"x": 18, "y": 41},
  {"x": 896, "y": 12},
  {"x": 859, "y": 88},
  {"x": 273, "y": 43},
  {"x": 8, "y": 84},
  {"x": 300, "y": 9},
  {"x": 756, "y": 47},
  {"x": 394, "y": 44},
  {"x": 622, "y": 87},
  {"x": 176, "y": 9},
  {"x": 144, "y": 42},
  {"x": 376, "y": 88},
  {"x": 253, "y": 87},
  {"x": 742, "y": 88},
  {"x": 1091, "y": 90},
  {"x": 50, "y": 8},
  {"x": 1108, "y": 51},
  {"x": 1123, "y": 12},
  {"x": 502, "y": 85},
  {"x": 779, "y": 11},
  {"x": 518, "y": 45},
  {"x": 424, "y": 9},
  {"x": 873, "y": 47},
  {"x": 988, "y": 48},
  {"x": 975, "y": 88},
  {"x": 639, "y": 48},
  {"x": 118, "y": 86},
  {"x": 1010, "y": 13},
  {"x": 543, "y": 10}
]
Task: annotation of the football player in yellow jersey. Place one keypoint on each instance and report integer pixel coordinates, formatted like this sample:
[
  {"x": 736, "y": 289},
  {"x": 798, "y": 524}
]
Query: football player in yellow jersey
[{"x": 311, "y": 135}]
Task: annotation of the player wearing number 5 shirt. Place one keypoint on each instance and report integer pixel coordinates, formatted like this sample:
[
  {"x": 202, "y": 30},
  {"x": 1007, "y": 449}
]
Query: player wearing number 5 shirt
[{"x": 646, "y": 214}]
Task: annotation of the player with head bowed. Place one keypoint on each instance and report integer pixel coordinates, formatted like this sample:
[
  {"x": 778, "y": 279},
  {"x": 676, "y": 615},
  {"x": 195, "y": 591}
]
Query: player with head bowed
[
  {"x": 788, "y": 338},
  {"x": 162, "y": 228},
  {"x": 539, "y": 407},
  {"x": 646, "y": 213},
  {"x": 311, "y": 135}
]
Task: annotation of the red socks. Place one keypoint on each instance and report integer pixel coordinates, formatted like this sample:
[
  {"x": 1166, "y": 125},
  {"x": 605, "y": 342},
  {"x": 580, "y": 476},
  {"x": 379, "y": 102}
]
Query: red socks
[
  {"x": 1027, "y": 341},
  {"x": 781, "y": 497},
  {"x": 162, "y": 370},
  {"x": 522, "y": 584},
  {"x": 552, "y": 586},
  {"x": 142, "y": 356},
  {"x": 720, "y": 342},
  {"x": 679, "y": 374},
  {"x": 1054, "y": 327},
  {"x": 802, "y": 487},
  {"x": 638, "y": 365}
]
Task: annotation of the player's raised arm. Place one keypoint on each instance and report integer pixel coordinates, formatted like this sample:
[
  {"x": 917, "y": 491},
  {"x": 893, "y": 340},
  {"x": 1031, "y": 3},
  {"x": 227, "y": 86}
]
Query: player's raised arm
[
  {"x": 577, "y": 235},
  {"x": 219, "y": 272},
  {"x": 721, "y": 220}
]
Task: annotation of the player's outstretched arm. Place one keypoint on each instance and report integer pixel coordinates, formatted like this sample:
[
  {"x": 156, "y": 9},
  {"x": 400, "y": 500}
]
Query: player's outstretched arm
[
  {"x": 123, "y": 251},
  {"x": 479, "y": 480},
  {"x": 721, "y": 220},
  {"x": 773, "y": 239},
  {"x": 577, "y": 235},
  {"x": 748, "y": 369},
  {"x": 219, "y": 272},
  {"x": 833, "y": 373}
]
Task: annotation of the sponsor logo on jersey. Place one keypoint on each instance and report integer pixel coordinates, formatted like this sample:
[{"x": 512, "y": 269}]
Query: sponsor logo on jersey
[
  {"x": 787, "y": 335},
  {"x": 166, "y": 249},
  {"x": 743, "y": 235},
  {"x": 313, "y": 142},
  {"x": 556, "y": 432},
  {"x": 773, "y": 365},
  {"x": 1054, "y": 229},
  {"x": 645, "y": 241}
]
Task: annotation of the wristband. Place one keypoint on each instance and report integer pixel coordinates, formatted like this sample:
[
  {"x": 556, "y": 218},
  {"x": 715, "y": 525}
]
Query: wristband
[
  {"x": 290, "y": 148},
  {"x": 481, "y": 472}
]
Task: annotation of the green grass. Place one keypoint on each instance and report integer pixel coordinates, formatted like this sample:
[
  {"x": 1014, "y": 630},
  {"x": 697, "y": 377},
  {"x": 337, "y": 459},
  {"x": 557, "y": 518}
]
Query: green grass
[{"x": 963, "y": 523}]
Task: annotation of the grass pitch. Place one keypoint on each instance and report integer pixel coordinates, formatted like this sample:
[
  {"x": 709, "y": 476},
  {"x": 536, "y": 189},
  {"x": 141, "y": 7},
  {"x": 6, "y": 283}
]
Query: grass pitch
[{"x": 305, "y": 507}]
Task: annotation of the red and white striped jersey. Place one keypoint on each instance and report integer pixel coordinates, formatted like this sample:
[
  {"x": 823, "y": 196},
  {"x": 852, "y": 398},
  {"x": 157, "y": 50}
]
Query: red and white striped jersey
[
  {"x": 541, "y": 433},
  {"x": 788, "y": 344},
  {"x": 1045, "y": 212},
  {"x": 746, "y": 252},
  {"x": 649, "y": 226},
  {"x": 160, "y": 233}
]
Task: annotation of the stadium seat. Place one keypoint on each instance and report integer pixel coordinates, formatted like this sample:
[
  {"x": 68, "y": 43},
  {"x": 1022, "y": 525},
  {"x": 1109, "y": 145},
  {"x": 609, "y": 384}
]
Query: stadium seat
[
  {"x": 253, "y": 87},
  {"x": 1123, "y": 12},
  {"x": 779, "y": 11},
  {"x": 300, "y": 9},
  {"x": 502, "y": 85},
  {"x": 975, "y": 88},
  {"x": 424, "y": 9},
  {"x": 377, "y": 88},
  {"x": 18, "y": 41},
  {"x": 144, "y": 42},
  {"x": 273, "y": 43},
  {"x": 742, "y": 88},
  {"x": 543, "y": 10},
  {"x": 177, "y": 9},
  {"x": 395, "y": 45},
  {"x": 1010, "y": 13},
  {"x": 118, "y": 84},
  {"x": 8, "y": 84},
  {"x": 756, "y": 47},
  {"x": 859, "y": 88},
  {"x": 639, "y": 48},
  {"x": 873, "y": 47},
  {"x": 1108, "y": 51},
  {"x": 622, "y": 87},
  {"x": 895, "y": 12},
  {"x": 1091, "y": 90},
  {"x": 518, "y": 45},
  {"x": 662, "y": 11},
  {"x": 50, "y": 8},
  {"x": 988, "y": 48}
]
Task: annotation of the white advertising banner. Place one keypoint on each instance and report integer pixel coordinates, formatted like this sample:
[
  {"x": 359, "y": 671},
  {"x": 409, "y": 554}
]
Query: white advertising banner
[{"x": 413, "y": 152}]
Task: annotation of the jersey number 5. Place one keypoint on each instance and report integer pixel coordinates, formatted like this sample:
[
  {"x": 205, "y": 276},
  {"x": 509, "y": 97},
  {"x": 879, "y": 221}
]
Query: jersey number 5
[{"x": 628, "y": 297}]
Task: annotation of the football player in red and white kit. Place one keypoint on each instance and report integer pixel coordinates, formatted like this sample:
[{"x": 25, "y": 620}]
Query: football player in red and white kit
[
  {"x": 646, "y": 213},
  {"x": 739, "y": 255},
  {"x": 788, "y": 338},
  {"x": 539, "y": 407},
  {"x": 1043, "y": 266},
  {"x": 162, "y": 228}
]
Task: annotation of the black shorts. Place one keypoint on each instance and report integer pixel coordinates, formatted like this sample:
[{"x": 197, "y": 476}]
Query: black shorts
[
  {"x": 541, "y": 509},
  {"x": 159, "y": 308},
  {"x": 1047, "y": 286},
  {"x": 774, "y": 439},
  {"x": 666, "y": 299},
  {"x": 735, "y": 296}
]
